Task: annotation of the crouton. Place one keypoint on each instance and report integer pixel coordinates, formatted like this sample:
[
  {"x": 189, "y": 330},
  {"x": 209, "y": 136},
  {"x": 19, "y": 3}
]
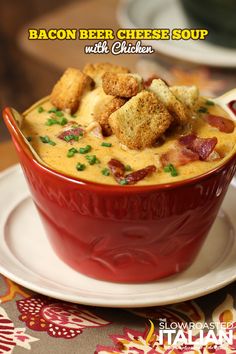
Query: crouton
[
  {"x": 68, "y": 91},
  {"x": 140, "y": 121},
  {"x": 107, "y": 109},
  {"x": 180, "y": 112},
  {"x": 96, "y": 71},
  {"x": 121, "y": 85},
  {"x": 188, "y": 95}
]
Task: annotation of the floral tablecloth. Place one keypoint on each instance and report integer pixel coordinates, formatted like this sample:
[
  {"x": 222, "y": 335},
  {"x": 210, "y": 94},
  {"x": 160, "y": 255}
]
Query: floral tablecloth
[
  {"x": 33, "y": 322},
  {"x": 29, "y": 321}
]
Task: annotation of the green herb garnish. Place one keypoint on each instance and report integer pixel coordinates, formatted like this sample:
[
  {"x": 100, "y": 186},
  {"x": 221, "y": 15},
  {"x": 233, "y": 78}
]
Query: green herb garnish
[
  {"x": 59, "y": 113},
  {"x": 123, "y": 182},
  {"x": 40, "y": 109},
  {"x": 46, "y": 140},
  {"x": 62, "y": 121},
  {"x": 106, "y": 144},
  {"x": 105, "y": 171},
  {"x": 51, "y": 121},
  {"x": 210, "y": 103},
  {"x": 74, "y": 116},
  {"x": 92, "y": 159},
  {"x": 70, "y": 137},
  {"x": 85, "y": 150},
  {"x": 80, "y": 166},
  {"x": 171, "y": 168},
  {"x": 128, "y": 168},
  {"x": 53, "y": 110},
  {"x": 71, "y": 152},
  {"x": 202, "y": 110},
  {"x": 29, "y": 138}
]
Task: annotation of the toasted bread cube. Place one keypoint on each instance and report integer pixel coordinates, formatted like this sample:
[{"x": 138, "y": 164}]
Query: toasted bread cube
[
  {"x": 96, "y": 71},
  {"x": 121, "y": 85},
  {"x": 68, "y": 91},
  {"x": 188, "y": 95},
  {"x": 140, "y": 121},
  {"x": 176, "y": 108},
  {"x": 108, "y": 108}
]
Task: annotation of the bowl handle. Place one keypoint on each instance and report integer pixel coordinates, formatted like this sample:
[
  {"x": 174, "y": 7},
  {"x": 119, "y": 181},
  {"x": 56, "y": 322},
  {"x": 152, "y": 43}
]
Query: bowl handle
[{"x": 224, "y": 101}]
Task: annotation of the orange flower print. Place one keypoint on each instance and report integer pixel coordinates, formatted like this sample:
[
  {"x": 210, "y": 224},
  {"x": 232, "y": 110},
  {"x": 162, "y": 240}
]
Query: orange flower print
[{"x": 12, "y": 290}]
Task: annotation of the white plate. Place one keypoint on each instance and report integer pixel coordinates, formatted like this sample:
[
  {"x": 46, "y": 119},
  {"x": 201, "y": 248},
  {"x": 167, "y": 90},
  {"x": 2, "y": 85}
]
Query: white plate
[
  {"x": 169, "y": 14},
  {"x": 28, "y": 259}
]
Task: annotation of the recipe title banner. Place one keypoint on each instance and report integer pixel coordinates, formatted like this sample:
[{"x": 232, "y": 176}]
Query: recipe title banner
[{"x": 121, "y": 46}]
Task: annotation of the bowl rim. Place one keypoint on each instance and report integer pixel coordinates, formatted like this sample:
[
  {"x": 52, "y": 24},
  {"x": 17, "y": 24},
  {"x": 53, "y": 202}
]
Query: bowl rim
[{"x": 14, "y": 131}]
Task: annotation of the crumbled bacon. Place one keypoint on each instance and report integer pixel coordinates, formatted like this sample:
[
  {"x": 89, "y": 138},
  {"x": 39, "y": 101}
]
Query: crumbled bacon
[
  {"x": 138, "y": 175},
  {"x": 72, "y": 128},
  {"x": 118, "y": 171},
  {"x": 188, "y": 140},
  {"x": 222, "y": 124},
  {"x": 202, "y": 146},
  {"x": 117, "y": 168},
  {"x": 178, "y": 156}
]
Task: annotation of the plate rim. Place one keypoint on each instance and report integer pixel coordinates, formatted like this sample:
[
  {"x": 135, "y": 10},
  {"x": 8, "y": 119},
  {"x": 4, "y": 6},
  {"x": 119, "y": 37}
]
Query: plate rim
[
  {"x": 115, "y": 303},
  {"x": 126, "y": 22}
]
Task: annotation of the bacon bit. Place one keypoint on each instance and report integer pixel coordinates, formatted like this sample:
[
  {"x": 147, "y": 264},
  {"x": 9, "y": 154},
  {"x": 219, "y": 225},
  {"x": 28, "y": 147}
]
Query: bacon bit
[
  {"x": 222, "y": 124},
  {"x": 178, "y": 156},
  {"x": 202, "y": 146},
  {"x": 188, "y": 140},
  {"x": 232, "y": 106},
  {"x": 117, "y": 168},
  {"x": 118, "y": 171},
  {"x": 149, "y": 81},
  {"x": 72, "y": 128},
  {"x": 138, "y": 175}
]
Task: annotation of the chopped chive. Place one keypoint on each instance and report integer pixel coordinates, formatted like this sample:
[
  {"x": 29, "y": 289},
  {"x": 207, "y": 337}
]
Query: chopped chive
[
  {"x": 80, "y": 166},
  {"x": 106, "y": 144},
  {"x": 202, "y": 110},
  {"x": 29, "y": 138},
  {"x": 46, "y": 140},
  {"x": 171, "y": 168},
  {"x": 92, "y": 159},
  {"x": 210, "y": 103},
  {"x": 40, "y": 109},
  {"x": 53, "y": 110},
  {"x": 51, "y": 121},
  {"x": 70, "y": 137},
  {"x": 128, "y": 168},
  {"x": 71, "y": 152},
  {"x": 105, "y": 171},
  {"x": 123, "y": 182},
  {"x": 52, "y": 143},
  {"x": 62, "y": 121},
  {"x": 59, "y": 113},
  {"x": 85, "y": 150}
]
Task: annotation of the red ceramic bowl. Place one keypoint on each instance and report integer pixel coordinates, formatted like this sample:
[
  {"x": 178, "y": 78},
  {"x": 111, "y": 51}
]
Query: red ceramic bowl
[{"x": 123, "y": 234}]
